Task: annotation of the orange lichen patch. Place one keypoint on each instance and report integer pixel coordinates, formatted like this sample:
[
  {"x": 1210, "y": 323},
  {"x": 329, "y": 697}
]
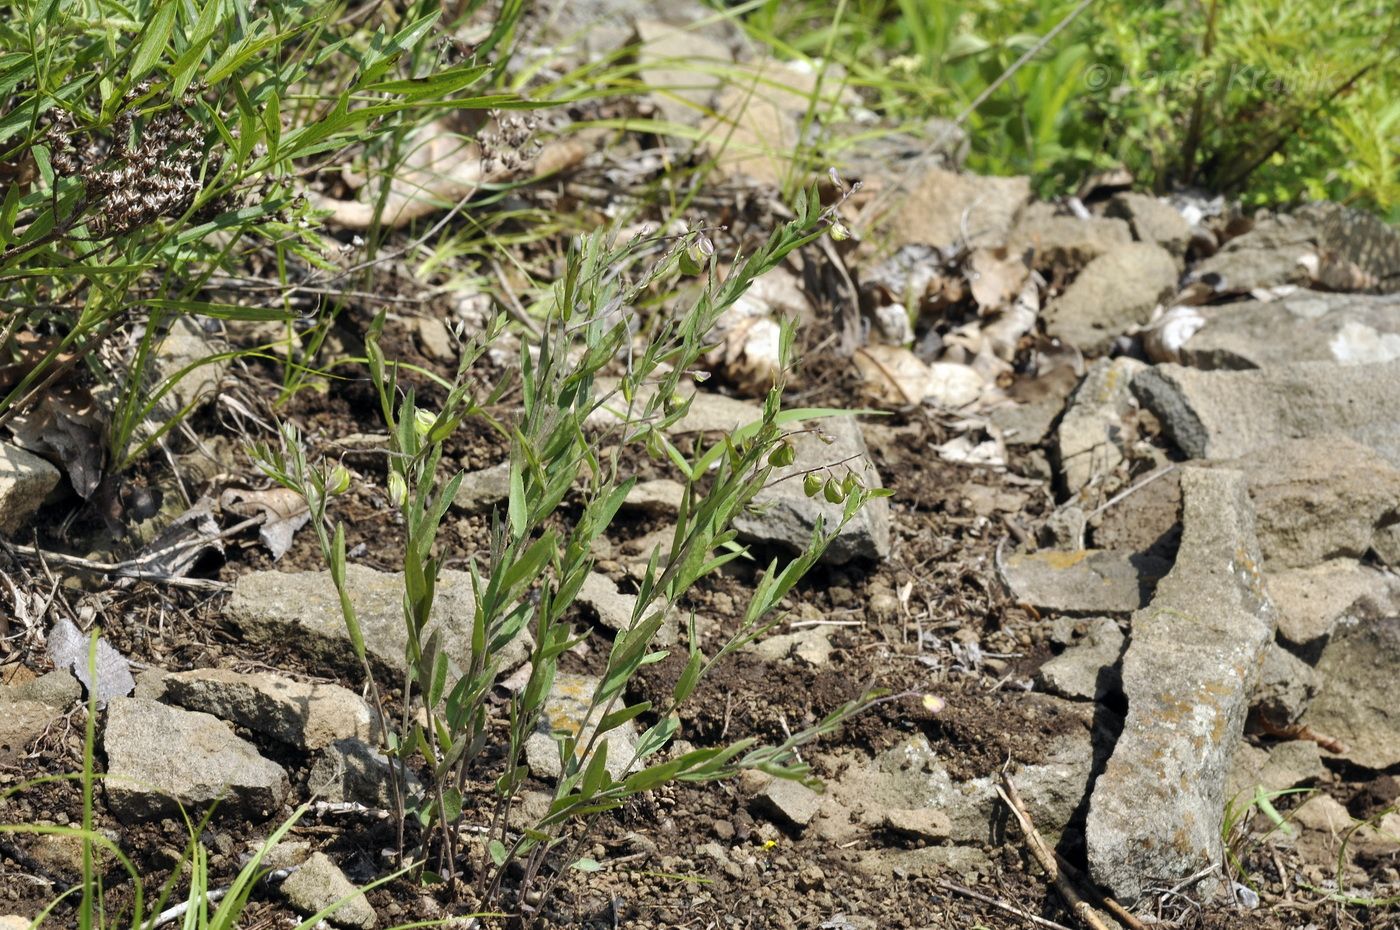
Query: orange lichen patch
[{"x": 1060, "y": 560}]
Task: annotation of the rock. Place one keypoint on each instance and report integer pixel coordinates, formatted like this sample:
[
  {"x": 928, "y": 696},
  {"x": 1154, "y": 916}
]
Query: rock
[
  {"x": 25, "y": 480},
  {"x": 791, "y": 801},
  {"x": 660, "y": 496},
  {"x": 1063, "y": 240},
  {"x": 188, "y": 346},
  {"x": 483, "y": 489},
  {"x": 1242, "y": 270},
  {"x": 967, "y": 862},
  {"x": 667, "y": 56},
  {"x": 1308, "y": 326},
  {"x": 302, "y": 609},
  {"x": 1156, "y": 810},
  {"x": 160, "y": 759},
  {"x": 1354, "y": 241},
  {"x": 1148, "y": 520},
  {"x": 1090, "y": 581},
  {"x": 1312, "y": 601},
  {"x": 1324, "y": 813},
  {"x": 58, "y": 689},
  {"x": 1286, "y": 686},
  {"x": 564, "y": 710},
  {"x": 939, "y": 207},
  {"x": 913, "y": 776},
  {"x": 782, "y": 514},
  {"x": 1356, "y": 702},
  {"x": 1288, "y": 765},
  {"x": 614, "y": 609},
  {"x": 436, "y": 339},
  {"x": 21, "y": 722},
  {"x": 1064, "y": 529},
  {"x": 318, "y": 883},
  {"x": 1152, "y": 220},
  {"x": 14, "y": 922},
  {"x": 811, "y": 645},
  {"x": 352, "y": 770},
  {"x": 1090, "y": 441},
  {"x": 286, "y": 854},
  {"x": 921, "y": 824},
  {"x": 1231, "y": 414},
  {"x": 309, "y": 715},
  {"x": 1318, "y": 499},
  {"x": 1086, "y": 671},
  {"x": 1115, "y": 292}
]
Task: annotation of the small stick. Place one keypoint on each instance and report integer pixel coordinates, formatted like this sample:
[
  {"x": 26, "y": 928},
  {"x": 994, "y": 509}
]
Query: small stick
[
  {"x": 1159, "y": 473},
  {"x": 1300, "y": 731},
  {"x": 1045, "y": 856},
  {"x": 1002, "y": 905}
]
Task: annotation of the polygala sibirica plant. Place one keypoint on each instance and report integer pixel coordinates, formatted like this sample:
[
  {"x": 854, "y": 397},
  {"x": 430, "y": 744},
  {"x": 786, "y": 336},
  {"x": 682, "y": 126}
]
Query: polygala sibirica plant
[{"x": 567, "y": 439}]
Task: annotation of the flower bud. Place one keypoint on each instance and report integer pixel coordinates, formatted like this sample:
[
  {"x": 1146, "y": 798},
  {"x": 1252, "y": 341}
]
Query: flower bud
[
  {"x": 423, "y": 421},
  {"x": 338, "y": 481},
  {"x": 398, "y": 489}
]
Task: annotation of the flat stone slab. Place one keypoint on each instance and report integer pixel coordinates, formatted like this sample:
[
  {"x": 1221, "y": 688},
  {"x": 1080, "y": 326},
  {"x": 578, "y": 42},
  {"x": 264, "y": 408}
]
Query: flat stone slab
[
  {"x": 318, "y": 883},
  {"x": 564, "y": 711},
  {"x": 302, "y": 610},
  {"x": 1115, "y": 292},
  {"x": 1155, "y": 813},
  {"x": 1357, "y": 701},
  {"x": 1230, "y": 414},
  {"x": 1312, "y": 601},
  {"x": 781, "y": 513},
  {"x": 25, "y": 480},
  {"x": 1090, "y": 440},
  {"x": 1085, "y": 581},
  {"x": 1308, "y": 326},
  {"x": 161, "y": 758},
  {"x": 352, "y": 770},
  {"x": 310, "y": 715},
  {"x": 1086, "y": 670}
]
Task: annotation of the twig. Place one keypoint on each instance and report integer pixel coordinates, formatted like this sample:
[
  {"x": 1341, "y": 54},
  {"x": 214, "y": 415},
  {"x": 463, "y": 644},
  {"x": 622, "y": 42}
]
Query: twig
[
  {"x": 172, "y": 914},
  {"x": 1045, "y": 856},
  {"x": 1001, "y": 905}
]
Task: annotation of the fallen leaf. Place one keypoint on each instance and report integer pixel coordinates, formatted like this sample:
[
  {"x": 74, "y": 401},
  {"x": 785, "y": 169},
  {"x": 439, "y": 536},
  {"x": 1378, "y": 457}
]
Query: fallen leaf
[
  {"x": 67, "y": 424},
  {"x": 995, "y": 278},
  {"x": 177, "y": 547},
  {"x": 68, "y": 648},
  {"x": 284, "y": 509}
]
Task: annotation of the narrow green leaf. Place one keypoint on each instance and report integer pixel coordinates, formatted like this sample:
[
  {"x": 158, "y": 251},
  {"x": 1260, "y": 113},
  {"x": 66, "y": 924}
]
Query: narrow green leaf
[{"x": 154, "y": 40}]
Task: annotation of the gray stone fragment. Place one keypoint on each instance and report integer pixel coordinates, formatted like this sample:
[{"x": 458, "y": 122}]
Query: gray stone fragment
[
  {"x": 1091, "y": 439},
  {"x": 302, "y": 610},
  {"x": 160, "y": 758},
  {"x": 781, "y": 513},
  {"x": 942, "y": 208},
  {"x": 1156, "y": 810},
  {"x": 1308, "y": 326},
  {"x": 21, "y": 722},
  {"x": 1318, "y": 499},
  {"x": 921, "y": 823},
  {"x": 352, "y": 770},
  {"x": 1086, "y": 670},
  {"x": 1287, "y": 765},
  {"x": 1286, "y": 686},
  {"x": 1089, "y": 581},
  {"x": 310, "y": 715},
  {"x": 319, "y": 883},
  {"x": 668, "y": 55},
  {"x": 1312, "y": 601},
  {"x": 1114, "y": 293},
  {"x": 25, "y": 480},
  {"x": 811, "y": 645},
  {"x": 1152, "y": 220},
  {"x": 1357, "y": 700},
  {"x": 1064, "y": 240},
  {"x": 483, "y": 489},
  {"x": 791, "y": 801},
  {"x": 57, "y": 689},
  {"x": 564, "y": 711},
  {"x": 614, "y": 609},
  {"x": 1064, "y": 529},
  {"x": 1230, "y": 414},
  {"x": 660, "y": 496}
]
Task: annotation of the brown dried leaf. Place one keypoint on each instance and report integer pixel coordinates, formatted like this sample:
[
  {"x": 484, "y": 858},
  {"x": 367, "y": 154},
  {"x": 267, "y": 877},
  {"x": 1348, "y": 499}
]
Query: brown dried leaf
[
  {"x": 285, "y": 511},
  {"x": 67, "y": 424},
  {"x": 177, "y": 548},
  {"x": 892, "y": 374},
  {"x": 995, "y": 277}
]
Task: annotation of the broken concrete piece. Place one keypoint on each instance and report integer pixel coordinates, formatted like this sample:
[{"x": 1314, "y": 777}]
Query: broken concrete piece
[
  {"x": 160, "y": 759},
  {"x": 310, "y": 715},
  {"x": 1156, "y": 811},
  {"x": 1232, "y": 414},
  {"x": 1090, "y": 581},
  {"x": 1091, "y": 439},
  {"x": 1086, "y": 671}
]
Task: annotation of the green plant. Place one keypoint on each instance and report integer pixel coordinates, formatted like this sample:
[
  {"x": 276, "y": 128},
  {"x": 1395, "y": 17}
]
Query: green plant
[
  {"x": 155, "y": 147},
  {"x": 539, "y": 558},
  {"x": 91, "y": 913},
  {"x": 1237, "y": 834}
]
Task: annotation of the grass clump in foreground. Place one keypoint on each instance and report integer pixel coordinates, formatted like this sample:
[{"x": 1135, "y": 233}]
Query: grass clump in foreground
[{"x": 568, "y": 440}]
